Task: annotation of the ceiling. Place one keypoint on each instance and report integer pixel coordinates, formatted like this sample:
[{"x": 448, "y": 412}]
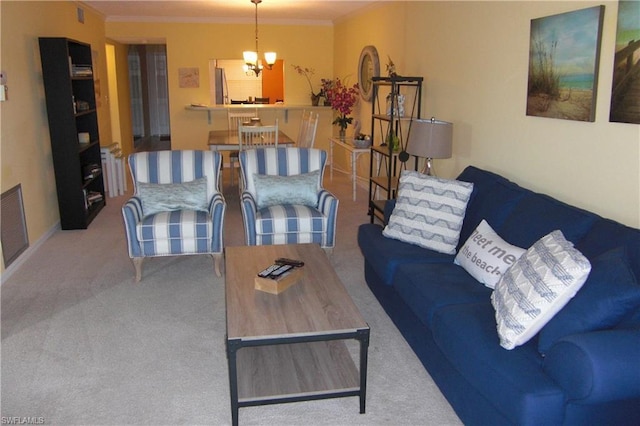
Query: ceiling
[{"x": 310, "y": 12}]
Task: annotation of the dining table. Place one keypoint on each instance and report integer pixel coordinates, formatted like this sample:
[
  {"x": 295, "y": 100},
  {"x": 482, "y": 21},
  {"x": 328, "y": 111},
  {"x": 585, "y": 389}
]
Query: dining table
[{"x": 228, "y": 140}]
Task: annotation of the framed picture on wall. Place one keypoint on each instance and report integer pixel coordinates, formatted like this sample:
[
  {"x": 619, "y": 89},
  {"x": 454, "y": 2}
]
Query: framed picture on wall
[
  {"x": 564, "y": 56},
  {"x": 625, "y": 102}
]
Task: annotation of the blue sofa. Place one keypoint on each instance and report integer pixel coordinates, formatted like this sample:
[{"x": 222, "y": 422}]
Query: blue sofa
[{"x": 591, "y": 377}]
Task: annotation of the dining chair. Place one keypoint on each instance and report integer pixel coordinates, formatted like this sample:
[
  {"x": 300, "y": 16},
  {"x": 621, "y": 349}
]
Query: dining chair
[
  {"x": 235, "y": 118},
  {"x": 238, "y": 116},
  {"x": 252, "y": 136},
  {"x": 308, "y": 128},
  {"x": 177, "y": 207}
]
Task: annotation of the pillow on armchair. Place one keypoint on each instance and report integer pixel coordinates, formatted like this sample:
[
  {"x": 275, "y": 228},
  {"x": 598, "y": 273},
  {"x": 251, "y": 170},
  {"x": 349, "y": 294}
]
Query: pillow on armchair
[
  {"x": 161, "y": 197},
  {"x": 273, "y": 190}
]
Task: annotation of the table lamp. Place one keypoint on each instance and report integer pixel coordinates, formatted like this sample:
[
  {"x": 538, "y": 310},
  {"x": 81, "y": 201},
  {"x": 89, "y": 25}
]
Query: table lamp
[{"x": 430, "y": 139}]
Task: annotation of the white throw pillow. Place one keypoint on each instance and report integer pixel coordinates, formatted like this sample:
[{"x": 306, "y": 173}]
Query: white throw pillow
[
  {"x": 429, "y": 211},
  {"x": 536, "y": 287},
  {"x": 485, "y": 256}
]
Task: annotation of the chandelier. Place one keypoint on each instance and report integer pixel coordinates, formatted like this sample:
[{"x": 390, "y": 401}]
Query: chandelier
[{"x": 251, "y": 61}]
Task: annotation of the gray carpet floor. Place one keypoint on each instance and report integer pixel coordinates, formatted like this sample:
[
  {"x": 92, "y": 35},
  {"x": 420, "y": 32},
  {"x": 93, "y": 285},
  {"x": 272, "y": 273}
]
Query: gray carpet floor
[{"x": 82, "y": 344}]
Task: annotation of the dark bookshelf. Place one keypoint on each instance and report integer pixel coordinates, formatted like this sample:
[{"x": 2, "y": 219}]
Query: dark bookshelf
[{"x": 71, "y": 109}]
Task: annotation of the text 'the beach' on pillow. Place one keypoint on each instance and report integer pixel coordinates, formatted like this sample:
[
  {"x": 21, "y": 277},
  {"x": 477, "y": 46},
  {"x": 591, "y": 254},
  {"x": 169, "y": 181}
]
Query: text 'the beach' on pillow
[
  {"x": 429, "y": 211},
  {"x": 536, "y": 287},
  {"x": 486, "y": 256}
]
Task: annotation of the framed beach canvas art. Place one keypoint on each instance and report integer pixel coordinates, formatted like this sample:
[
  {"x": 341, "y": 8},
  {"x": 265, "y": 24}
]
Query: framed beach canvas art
[
  {"x": 564, "y": 54},
  {"x": 625, "y": 102}
]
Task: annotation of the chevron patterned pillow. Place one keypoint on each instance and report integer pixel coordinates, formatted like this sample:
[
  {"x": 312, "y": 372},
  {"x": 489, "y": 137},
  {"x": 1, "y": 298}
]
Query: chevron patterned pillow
[
  {"x": 536, "y": 287},
  {"x": 429, "y": 211}
]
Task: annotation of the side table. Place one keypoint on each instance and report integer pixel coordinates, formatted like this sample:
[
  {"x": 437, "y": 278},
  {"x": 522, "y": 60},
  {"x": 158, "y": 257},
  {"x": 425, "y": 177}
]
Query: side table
[{"x": 355, "y": 153}]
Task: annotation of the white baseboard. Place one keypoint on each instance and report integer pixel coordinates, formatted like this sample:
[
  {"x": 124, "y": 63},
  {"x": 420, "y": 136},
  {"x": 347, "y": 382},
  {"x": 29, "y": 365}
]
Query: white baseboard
[{"x": 6, "y": 274}]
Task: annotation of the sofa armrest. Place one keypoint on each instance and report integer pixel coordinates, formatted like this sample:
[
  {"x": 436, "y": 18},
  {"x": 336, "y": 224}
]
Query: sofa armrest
[
  {"x": 249, "y": 212},
  {"x": 217, "y": 206},
  {"x": 388, "y": 209},
  {"x": 328, "y": 206},
  {"x": 132, "y": 215},
  {"x": 597, "y": 367}
]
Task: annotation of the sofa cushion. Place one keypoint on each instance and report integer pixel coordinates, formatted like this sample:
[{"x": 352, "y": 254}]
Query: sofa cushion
[
  {"x": 493, "y": 199},
  {"x": 162, "y": 197},
  {"x": 486, "y": 256},
  {"x": 513, "y": 381},
  {"x": 386, "y": 254},
  {"x": 289, "y": 224},
  {"x": 607, "y": 234},
  {"x": 536, "y": 215},
  {"x": 429, "y": 211},
  {"x": 608, "y": 294},
  {"x": 427, "y": 287},
  {"x": 536, "y": 287},
  {"x": 175, "y": 232}
]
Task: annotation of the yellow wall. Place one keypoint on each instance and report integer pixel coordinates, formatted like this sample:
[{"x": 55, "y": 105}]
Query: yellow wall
[
  {"x": 474, "y": 58},
  {"x": 25, "y": 145},
  {"x": 192, "y": 45}
]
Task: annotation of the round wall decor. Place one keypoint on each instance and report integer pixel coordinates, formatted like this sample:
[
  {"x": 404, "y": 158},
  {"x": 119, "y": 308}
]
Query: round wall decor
[{"x": 368, "y": 67}]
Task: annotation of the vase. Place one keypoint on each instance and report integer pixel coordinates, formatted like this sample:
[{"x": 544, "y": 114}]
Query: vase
[
  {"x": 315, "y": 100},
  {"x": 343, "y": 134}
]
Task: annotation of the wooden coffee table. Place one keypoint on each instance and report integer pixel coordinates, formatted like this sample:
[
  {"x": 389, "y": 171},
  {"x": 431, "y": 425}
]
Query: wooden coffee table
[{"x": 291, "y": 346}]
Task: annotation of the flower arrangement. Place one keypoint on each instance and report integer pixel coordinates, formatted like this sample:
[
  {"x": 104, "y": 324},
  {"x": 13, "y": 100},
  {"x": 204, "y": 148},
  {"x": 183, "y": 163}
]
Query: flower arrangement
[
  {"x": 307, "y": 73},
  {"x": 342, "y": 99}
]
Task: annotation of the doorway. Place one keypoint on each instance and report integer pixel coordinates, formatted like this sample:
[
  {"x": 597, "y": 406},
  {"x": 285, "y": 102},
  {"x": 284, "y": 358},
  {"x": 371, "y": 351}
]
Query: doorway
[{"x": 149, "y": 97}]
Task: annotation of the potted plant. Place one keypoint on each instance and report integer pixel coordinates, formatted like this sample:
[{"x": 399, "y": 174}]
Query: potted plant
[
  {"x": 342, "y": 99},
  {"x": 308, "y": 73}
]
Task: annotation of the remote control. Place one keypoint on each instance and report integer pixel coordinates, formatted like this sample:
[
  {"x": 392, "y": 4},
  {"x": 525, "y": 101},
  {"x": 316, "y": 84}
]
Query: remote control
[
  {"x": 281, "y": 270},
  {"x": 265, "y": 273},
  {"x": 292, "y": 262}
]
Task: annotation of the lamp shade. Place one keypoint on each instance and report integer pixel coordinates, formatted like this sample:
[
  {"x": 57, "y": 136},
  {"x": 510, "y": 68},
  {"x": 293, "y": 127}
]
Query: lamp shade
[
  {"x": 250, "y": 57},
  {"x": 430, "y": 138},
  {"x": 270, "y": 57}
]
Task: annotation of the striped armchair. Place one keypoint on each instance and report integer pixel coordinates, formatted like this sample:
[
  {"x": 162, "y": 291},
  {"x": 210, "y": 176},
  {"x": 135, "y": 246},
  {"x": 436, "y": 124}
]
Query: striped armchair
[
  {"x": 290, "y": 221},
  {"x": 172, "y": 229}
]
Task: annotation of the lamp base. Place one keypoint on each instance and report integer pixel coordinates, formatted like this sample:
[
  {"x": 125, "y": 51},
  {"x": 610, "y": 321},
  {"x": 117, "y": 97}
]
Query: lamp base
[{"x": 428, "y": 167}]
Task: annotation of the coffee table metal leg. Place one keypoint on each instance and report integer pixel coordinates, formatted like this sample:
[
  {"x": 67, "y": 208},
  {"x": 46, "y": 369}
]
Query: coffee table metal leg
[
  {"x": 363, "y": 337},
  {"x": 232, "y": 349}
]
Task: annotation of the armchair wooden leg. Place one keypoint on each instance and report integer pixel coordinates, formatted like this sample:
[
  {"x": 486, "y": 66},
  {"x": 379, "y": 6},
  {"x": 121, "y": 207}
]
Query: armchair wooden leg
[
  {"x": 137, "y": 263},
  {"x": 217, "y": 263}
]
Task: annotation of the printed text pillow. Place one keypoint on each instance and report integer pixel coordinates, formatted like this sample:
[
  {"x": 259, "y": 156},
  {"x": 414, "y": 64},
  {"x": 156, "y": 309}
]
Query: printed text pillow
[{"x": 486, "y": 256}]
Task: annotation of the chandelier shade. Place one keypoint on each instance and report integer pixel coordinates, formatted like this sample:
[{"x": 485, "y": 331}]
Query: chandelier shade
[{"x": 251, "y": 61}]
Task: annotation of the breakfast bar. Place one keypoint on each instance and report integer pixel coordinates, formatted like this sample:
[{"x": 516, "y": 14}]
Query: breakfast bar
[{"x": 285, "y": 108}]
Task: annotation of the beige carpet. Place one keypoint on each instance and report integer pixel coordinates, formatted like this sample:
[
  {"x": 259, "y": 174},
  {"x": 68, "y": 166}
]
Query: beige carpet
[{"x": 83, "y": 345}]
